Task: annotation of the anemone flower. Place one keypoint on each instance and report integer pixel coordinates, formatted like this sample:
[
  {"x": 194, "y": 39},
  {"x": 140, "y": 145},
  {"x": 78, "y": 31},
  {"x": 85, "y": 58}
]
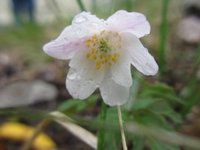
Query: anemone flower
[{"x": 101, "y": 53}]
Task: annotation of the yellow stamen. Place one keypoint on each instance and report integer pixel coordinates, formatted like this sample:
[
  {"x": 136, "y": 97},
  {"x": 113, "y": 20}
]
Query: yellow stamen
[{"x": 104, "y": 49}]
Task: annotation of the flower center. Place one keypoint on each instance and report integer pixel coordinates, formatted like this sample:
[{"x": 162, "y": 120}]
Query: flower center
[{"x": 104, "y": 49}]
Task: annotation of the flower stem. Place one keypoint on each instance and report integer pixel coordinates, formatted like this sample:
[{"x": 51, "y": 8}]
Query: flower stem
[
  {"x": 101, "y": 133},
  {"x": 37, "y": 131},
  {"x": 163, "y": 36},
  {"x": 81, "y": 6},
  {"x": 129, "y": 5},
  {"x": 121, "y": 128},
  {"x": 94, "y": 6}
]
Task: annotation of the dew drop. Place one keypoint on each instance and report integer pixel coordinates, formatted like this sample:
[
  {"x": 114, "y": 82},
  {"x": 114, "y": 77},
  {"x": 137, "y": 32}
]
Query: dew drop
[
  {"x": 73, "y": 75},
  {"x": 80, "y": 19}
]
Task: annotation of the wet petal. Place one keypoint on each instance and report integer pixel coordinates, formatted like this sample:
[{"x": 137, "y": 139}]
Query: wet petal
[
  {"x": 86, "y": 24},
  {"x": 133, "y": 22},
  {"x": 141, "y": 59},
  {"x": 66, "y": 45},
  {"x": 83, "y": 78},
  {"x": 112, "y": 93},
  {"x": 78, "y": 86}
]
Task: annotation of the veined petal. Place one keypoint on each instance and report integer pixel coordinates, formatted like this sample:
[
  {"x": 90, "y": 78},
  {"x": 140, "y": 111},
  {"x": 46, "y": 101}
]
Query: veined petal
[
  {"x": 112, "y": 93},
  {"x": 87, "y": 24},
  {"x": 133, "y": 22},
  {"x": 66, "y": 45},
  {"x": 141, "y": 59},
  {"x": 121, "y": 70}
]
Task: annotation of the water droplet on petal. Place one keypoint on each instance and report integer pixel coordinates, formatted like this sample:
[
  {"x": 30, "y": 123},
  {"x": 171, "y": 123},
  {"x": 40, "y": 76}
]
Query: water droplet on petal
[
  {"x": 73, "y": 75},
  {"x": 80, "y": 19}
]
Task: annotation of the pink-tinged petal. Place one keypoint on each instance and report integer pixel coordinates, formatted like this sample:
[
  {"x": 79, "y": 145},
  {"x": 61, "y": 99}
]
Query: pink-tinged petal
[
  {"x": 66, "y": 45},
  {"x": 141, "y": 59},
  {"x": 112, "y": 93},
  {"x": 86, "y": 24},
  {"x": 121, "y": 70},
  {"x": 123, "y": 21}
]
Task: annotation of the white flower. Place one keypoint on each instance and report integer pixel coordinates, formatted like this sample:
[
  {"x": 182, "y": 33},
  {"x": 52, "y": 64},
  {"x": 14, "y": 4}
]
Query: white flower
[{"x": 101, "y": 53}]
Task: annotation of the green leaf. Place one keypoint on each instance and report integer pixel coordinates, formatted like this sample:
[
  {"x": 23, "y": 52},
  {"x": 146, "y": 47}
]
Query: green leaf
[
  {"x": 163, "y": 108},
  {"x": 69, "y": 104},
  {"x": 153, "y": 120},
  {"x": 112, "y": 138},
  {"x": 160, "y": 90},
  {"x": 76, "y": 105},
  {"x": 144, "y": 103},
  {"x": 138, "y": 143},
  {"x": 157, "y": 145}
]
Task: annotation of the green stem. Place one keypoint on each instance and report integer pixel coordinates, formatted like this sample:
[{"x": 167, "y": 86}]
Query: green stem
[
  {"x": 94, "y": 6},
  {"x": 129, "y": 5},
  {"x": 81, "y": 6},
  {"x": 163, "y": 36},
  {"x": 101, "y": 133}
]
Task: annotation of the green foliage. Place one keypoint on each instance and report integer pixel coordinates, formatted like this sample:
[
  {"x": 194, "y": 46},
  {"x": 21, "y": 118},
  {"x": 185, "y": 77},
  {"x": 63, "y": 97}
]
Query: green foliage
[
  {"x": 76, "y": 105},
  {"x": 157, "y": 100},
  {"x": 163, "y": 37},
  {"x": 101, "y": 132},
  {"x": 138, "y": 143},
  {"x": 112, "y": 138},
  {"x": 157, "y": 145},
  {"x": 81, "y": 6},
  {"x": 191, "y": 96},
  {"x": 26, "y": 41},
  {"x": 154, "y": 106}
]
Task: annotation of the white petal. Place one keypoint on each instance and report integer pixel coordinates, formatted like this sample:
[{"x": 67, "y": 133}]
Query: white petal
[
  {"x": 87, "y": 24},
  {"x": 66, "y": 45},
  {"x": 79, "y": 87},
  {"x": 112, "y": 93},
  {"x": 133, "y": 22},
  {"x": 83, "y": 78},
  {"x": 85, "y": 67},
  {"x": 141, "y": 59},
  {"x": 121, "y": 71}
]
